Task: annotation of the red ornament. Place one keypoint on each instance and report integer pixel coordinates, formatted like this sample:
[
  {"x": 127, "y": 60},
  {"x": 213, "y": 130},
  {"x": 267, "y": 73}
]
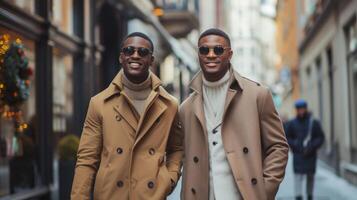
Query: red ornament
[{"x": 29, "y": 72}]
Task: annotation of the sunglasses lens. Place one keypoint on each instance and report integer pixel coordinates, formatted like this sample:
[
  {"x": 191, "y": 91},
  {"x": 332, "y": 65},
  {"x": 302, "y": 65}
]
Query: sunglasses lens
[
  {"x": 203, "y": 50},
  {"x": 128, "y": 51},
  {"x": 143, "y": 52},
  {"x": 218, "y": 50}
]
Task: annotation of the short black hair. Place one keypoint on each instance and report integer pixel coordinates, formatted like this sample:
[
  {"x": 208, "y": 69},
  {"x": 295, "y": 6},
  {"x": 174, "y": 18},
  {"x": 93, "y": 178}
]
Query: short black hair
[
  {"x": 215, "y": 31},
  {"x": 139, "y": 34}
]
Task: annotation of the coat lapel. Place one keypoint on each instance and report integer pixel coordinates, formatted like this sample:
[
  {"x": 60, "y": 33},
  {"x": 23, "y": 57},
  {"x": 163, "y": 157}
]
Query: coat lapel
[
  {"x": 235, "y": 88},
  {"x": 123, "y": 108},
  {"x": 196, "y": 85},
  {"x": 199, "y": 112},
  {"x": 154, "y": 108},
  {"x": 229, "y": 97}
]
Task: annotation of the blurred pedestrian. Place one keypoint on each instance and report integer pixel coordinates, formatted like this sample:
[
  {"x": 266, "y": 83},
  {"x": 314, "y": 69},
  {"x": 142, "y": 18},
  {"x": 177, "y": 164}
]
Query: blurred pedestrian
[
  {"x": 131, "y": 145},
  {"x": 305, "y": 137},
  {"x": 235, "y": 147}
]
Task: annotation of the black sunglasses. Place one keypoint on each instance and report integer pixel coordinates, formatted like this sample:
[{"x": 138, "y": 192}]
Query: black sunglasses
[
  {"x": 218, "y": 50},
  {"x": 130, "y": 50}
]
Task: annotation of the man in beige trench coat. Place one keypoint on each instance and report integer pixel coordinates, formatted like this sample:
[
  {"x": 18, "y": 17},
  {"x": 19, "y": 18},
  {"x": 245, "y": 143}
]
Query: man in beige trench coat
[
  {"x": 235, "y": 146},
  {"x": 131, "y": 144}
]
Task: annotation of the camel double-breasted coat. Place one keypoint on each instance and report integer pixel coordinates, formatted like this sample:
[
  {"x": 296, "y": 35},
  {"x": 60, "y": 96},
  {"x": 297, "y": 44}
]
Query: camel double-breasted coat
[
  {"x": 125, "y": 158},
  {"x": 252, "y": 135}
]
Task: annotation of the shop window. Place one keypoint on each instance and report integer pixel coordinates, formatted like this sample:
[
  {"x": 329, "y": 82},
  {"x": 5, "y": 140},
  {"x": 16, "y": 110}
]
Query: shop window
[
  {"x": 66, "y": 141},
  {"x": 27, "y": 5},
  {"x": 62, "y": 91},
  {"x": 63, "y": 15},
  {"x": 351, "y": 44},
  {"x": 18, "y": 134}
]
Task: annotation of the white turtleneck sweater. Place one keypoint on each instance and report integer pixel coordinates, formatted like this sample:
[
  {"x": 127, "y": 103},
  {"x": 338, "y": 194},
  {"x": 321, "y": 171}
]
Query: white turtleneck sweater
[{"x": 222, "y": 184}]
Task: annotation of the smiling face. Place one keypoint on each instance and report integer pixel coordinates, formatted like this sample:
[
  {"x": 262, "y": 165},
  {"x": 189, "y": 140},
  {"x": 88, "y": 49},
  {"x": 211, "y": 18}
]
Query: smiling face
[
  {"x": 214, "y": 66},
  {"x": 136, "y": 63}
]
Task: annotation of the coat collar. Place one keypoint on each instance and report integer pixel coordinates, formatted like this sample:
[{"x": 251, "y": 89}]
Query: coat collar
[
  {"x": 236, "y": 82},
  {"x": 116, "y": 86},
  {"x": 154, "y": 105}
]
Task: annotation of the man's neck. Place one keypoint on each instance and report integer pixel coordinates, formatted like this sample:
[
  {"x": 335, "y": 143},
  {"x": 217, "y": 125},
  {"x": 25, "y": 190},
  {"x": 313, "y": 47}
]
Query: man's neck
[
  {"x": 215, "y": 77},
  {"x": 136, "y": 86},
  {"x": 137, "y": 80}
]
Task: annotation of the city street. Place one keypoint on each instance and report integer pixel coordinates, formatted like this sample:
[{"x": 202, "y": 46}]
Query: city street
[
  {"x": 91, "y": 89},
  {"x": 328, "y": 186}
]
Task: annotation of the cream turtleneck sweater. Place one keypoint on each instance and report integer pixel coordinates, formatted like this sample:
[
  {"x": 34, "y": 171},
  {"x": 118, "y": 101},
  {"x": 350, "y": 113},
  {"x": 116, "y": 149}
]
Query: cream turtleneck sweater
[{"x": 222, "y": 184}]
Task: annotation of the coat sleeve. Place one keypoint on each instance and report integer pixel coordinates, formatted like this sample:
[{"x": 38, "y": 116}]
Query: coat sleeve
[
  {"x": 274, "y": 144},
  {"x": 174, "y": 150},
  {"x": 294, "y": 143},
  {"x": 88, "y": 156}
]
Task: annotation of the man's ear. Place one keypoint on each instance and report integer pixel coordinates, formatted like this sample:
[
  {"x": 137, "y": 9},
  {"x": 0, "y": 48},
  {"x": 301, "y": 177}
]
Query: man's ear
[
  {"x": 120, "y": 58},
  {"x": 152, "y": 58},
  {"x": 230, "y": 54}
]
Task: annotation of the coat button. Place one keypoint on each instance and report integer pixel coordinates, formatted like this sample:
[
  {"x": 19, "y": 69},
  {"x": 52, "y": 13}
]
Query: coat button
[
  {"x": 195, "y": 159},
  {"x": 214, "y": 131},
  {"x": 151, "y": 151},
  {"x": 179, "y": 125},
  {"x": 119, "y": 150},
  {"x": 245, "y": 150},
  {"x": 254, "y": 181},
  {"x": 193, "y": 190},
  {"x": 120, "y": 183},
  {"x": 214, "y": 143},
  {"x": 150, "y": 184},
  {"x": 117, "y": 117}
]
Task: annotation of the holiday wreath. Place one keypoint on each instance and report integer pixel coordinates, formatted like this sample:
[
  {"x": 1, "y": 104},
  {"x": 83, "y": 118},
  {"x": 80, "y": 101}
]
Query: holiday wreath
[{"x": 14, "y": 73}]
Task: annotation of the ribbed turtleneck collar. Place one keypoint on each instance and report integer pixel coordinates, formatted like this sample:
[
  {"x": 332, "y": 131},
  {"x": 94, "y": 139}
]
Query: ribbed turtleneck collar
[
  {"x": 137, "y": 87},
  {"x": 218, "y": 83}
]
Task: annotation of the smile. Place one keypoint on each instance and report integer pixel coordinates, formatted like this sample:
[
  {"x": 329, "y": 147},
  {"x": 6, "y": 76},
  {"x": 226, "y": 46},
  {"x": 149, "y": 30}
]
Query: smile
[{"x": 211, "y": 64}]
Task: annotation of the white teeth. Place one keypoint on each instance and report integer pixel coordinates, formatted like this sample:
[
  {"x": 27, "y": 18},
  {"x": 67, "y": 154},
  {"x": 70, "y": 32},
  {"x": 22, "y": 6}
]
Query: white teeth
[{"x": 134, "y": 64}]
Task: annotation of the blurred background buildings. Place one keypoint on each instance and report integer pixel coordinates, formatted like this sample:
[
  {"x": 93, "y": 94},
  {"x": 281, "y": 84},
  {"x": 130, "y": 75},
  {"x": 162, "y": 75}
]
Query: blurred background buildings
[
  {"x": 298, "y": 48},
  {"x": 317, "y": 43}
]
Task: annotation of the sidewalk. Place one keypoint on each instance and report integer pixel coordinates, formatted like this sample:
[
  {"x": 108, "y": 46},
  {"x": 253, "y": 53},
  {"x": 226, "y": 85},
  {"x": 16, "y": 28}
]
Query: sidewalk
[{"x": 328, "y": 186}]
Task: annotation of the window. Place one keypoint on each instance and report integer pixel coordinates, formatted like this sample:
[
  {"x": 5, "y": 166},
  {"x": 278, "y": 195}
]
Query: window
[
  {"x": 353, "y": 103},
  {"x": 308, "y": 71},
  {"x": 320, "y": 89},
  {"x": 18, "y": 138},
  {"x": 331, "y": 95},
  {"x": 26, "y": 5},
  {"x": 351, "y": 44},
  {"x": 63, "y": 15},
  {"x": 351, "y": 33},
  {"x": 62, "y": 91}
]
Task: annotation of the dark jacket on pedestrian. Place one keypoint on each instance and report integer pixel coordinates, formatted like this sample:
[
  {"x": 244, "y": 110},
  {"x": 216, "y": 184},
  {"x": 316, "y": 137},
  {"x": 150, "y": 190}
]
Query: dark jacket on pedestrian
[{"x": 304, "y": 158}]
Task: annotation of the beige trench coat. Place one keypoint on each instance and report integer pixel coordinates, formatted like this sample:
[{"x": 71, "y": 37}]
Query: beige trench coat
[
  {"x": 252, "y": 135},
  {"x": 125, "y": 158}
]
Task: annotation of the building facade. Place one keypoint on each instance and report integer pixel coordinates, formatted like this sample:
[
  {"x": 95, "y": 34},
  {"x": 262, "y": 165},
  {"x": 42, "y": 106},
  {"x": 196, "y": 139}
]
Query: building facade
[
  {"x": 328, "y": 80},
  {"x": 252, "y": 31},
  {"x": 72, "y": 48}
]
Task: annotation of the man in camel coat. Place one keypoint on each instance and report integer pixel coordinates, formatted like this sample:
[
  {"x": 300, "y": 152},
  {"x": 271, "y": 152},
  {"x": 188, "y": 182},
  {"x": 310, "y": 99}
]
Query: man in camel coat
[
  {"x": 131, "y": 144},
  {"x": 235, "y": 146}
]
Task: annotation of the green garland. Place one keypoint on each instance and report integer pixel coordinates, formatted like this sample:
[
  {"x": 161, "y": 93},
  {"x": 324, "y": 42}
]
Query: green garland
[{"x": 14, "y": 76}]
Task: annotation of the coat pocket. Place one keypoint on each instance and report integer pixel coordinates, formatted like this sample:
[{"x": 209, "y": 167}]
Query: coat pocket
[{"x": 102, "y": 171}]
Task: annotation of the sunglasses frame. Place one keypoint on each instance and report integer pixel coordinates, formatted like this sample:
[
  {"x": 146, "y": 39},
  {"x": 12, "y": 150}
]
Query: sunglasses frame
[
  {"x": 212, "y": 48},
  {"x": 140, "y": 51}
]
